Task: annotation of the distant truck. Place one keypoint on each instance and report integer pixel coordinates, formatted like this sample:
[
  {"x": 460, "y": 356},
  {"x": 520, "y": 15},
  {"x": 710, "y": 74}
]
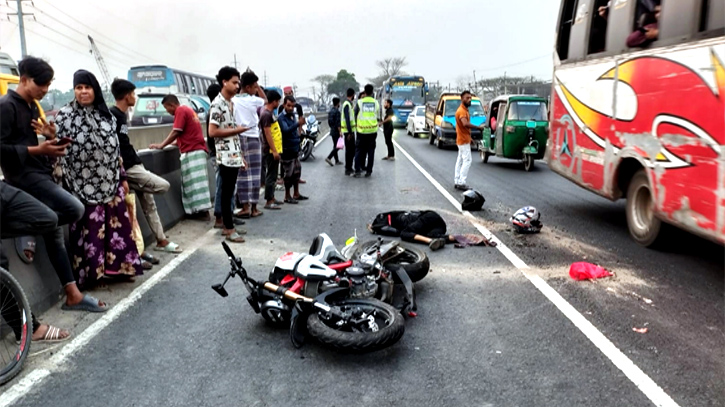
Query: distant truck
[{"x": 440, "y": 119}]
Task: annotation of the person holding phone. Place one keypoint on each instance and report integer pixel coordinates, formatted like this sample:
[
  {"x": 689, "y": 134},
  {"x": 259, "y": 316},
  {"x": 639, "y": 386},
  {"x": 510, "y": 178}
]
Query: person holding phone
[
  {"x": 27, "y": 165},
  {"x": 223, "y": 128}
]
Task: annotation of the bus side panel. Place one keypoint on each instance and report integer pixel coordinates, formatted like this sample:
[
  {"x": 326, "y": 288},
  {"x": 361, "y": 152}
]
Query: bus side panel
[{"x": 669, "y": 114}]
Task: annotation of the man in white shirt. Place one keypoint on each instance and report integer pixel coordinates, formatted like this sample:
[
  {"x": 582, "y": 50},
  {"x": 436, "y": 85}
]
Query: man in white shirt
[{"x": 247, "y": 106}]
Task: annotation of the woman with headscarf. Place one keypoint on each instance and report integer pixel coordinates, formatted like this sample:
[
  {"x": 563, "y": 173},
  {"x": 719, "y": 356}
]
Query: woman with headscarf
[{"x": 100, "y": 242}]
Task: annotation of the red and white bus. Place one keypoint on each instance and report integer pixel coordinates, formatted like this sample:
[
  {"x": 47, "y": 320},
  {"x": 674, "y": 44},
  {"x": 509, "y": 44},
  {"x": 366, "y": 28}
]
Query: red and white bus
[{"x": 638, "y": 110}]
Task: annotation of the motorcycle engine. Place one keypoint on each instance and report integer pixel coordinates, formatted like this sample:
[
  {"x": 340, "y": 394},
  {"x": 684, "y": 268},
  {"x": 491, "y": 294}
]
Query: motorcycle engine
[{"x": 362, "y": 281}]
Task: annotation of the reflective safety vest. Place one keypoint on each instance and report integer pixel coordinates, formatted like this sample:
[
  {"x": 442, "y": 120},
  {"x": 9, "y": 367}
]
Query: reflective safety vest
[
  {"x": 344, "y": 125},
  {"x": 367, "y": 117}
]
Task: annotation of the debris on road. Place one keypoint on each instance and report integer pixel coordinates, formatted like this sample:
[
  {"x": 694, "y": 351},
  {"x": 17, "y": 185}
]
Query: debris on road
[
  {"x": 527, "y": 220},
  {"x": 463, "y": 241},
  {"x": 640, "y": 330},
  {"x": 587, "y": 271}
]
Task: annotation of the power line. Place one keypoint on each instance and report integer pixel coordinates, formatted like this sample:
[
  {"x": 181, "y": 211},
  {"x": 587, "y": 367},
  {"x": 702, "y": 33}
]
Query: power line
[
  {"x": 123, "y": 54},
  {"x": 66, "y": 36},
  {"x": 514, "y": 64},
  {"x": 84, "y": 53},
  {"x": 98, "y": 32}
]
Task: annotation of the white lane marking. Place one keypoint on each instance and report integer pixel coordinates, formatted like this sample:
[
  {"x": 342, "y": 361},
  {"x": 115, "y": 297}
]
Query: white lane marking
[
  {"x": 320, "y": 140},
  {"x": 640, "y": 379},
  {"x": 33, "y": 378}
]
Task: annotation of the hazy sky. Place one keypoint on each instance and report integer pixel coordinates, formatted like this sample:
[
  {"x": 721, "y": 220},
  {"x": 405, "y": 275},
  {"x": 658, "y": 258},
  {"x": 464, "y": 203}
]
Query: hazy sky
[{"x": 293, "y": 41}]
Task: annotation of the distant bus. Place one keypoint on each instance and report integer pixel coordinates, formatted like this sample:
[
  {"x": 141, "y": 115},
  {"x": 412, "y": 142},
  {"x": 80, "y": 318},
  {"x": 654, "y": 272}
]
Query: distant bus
[
  {"x": 406, "y": 92},
  {"x": 162, "y": 79},
  {"x": 306, "y": 103},
  {"x": 8, "y": 65}
]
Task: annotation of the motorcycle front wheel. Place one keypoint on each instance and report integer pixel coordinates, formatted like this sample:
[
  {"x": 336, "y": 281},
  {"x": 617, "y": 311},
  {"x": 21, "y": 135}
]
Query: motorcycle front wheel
[
  {"x": 306, "y": 149},
  {"x": 387, "y": 329}
]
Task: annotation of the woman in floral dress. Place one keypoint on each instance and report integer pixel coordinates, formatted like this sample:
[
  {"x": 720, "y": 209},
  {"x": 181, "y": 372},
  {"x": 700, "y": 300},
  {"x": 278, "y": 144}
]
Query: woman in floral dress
[{"x": 100, "y": 243}]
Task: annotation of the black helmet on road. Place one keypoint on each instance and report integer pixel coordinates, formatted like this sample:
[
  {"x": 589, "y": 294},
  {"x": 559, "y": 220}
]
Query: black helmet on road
[
  {"x": 527, "y": 220},
  {"x": 472, "y": 200}
]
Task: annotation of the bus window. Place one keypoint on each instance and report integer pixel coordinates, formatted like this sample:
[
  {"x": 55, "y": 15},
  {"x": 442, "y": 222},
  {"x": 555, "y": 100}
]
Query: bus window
[
  {"x": 578, "y": 44},
  {"x": 598, "y": 32},
  {"x": 712, "y": 16},
  {"x": 679, "y": 20},
  {"x": 566, "y": 20},
  {"x": 620, "y": 20},
  {"x": 179, "y": 83},
  {"x": 648, "y": 23}
]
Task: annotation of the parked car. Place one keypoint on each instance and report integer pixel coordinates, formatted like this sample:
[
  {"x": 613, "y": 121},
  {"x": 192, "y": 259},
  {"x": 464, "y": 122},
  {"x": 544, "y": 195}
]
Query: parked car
[
  {"x": 416, "y": 121},
  {"x": 440, "y": 119},
  {"x": 150, "y": 112}
]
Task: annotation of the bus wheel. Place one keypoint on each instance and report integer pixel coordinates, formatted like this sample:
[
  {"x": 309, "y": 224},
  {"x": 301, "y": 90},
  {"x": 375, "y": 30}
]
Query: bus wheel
[{"x": 644, "y": 227}]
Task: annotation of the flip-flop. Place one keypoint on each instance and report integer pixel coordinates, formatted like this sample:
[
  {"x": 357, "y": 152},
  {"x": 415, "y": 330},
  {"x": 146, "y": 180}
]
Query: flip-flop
[
  {"x": 53, "y": 335},
  {"x": 150, "y": 258},
  {"x": 169, "y": 248},
  {"x": 291, "y": 201},
  {"x": 88, "y": 304},
  {"x": 146, "y": 265},
  {"x": 235, "y": 238},
  {"x": 236, "y": 230},
  {"x": 278, "y": 202},
  {"x": 22, "y": 244},
  {"x": 242, "y": 215},
  {"x": 258, "y": 214},
  {"x": 302, "y": 198},
  {"x": 272, "y": 206}
]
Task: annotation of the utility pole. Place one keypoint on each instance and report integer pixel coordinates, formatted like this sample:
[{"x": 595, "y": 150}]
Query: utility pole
[
  {"x": 505, "y": 85},
  {"x": 265, "y": 78},
  {"x": 21, "y": 26},
  {"x": 475, "y": 83},
  {"x": 101, "y": 63},
  {"x": 236, "y": 66}
]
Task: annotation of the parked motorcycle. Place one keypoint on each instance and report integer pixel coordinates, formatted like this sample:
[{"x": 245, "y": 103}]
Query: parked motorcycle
[
  {"x": 335, "y": 318},
  {"x": 309, "y": 138}
]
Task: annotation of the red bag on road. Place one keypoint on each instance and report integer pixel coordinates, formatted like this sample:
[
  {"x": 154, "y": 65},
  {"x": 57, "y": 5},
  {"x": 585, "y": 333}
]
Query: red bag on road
[{"x": 587, "y": 271}]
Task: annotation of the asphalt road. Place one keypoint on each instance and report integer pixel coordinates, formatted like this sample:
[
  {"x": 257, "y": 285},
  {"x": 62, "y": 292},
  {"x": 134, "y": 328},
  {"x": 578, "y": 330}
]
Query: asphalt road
[{"x": 485, "y": 336}]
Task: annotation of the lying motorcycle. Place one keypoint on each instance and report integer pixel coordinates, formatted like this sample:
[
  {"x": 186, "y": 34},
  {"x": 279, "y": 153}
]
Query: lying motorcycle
[
  {"x": 413, "y": 260},
  {"x": 309, "y": 137},
  {"x": 334, "y": 318},
  {"x": 366, "y": 276}
]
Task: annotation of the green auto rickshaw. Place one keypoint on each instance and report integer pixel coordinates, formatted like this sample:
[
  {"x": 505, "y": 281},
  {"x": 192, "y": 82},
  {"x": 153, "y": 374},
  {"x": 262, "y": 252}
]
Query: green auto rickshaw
[{"x": 517, "y": 128}]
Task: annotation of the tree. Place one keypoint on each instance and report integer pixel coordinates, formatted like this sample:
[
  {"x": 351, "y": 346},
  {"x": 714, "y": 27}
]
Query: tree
[
  {"x": 323, "y": 95},
  {"x": 388, "y": 67},
  {"x": 342, "y": 82}
]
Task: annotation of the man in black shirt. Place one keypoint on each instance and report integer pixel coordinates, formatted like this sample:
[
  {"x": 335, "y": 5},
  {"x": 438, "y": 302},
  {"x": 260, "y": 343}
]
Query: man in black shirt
[
  {"x": 28, "y": 166},
  {"x": 348, "y": 117},
  {"x": 139, "y": 179},
  {"x": 334, "y": 120},
  {"x": 388, "y": 130}
]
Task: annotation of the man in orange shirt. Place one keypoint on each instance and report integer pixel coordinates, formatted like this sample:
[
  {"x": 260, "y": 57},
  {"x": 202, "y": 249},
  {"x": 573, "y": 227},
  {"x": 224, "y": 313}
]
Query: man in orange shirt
[{"x": 463, "y": 140}]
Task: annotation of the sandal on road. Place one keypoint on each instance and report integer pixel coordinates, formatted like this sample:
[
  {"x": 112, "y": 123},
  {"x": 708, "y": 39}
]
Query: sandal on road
[
  {"x": 272, "y": 207},
  {"x": 257, "y": 214},
  {"x": 53, "y": 334},
  {"x": 235, "y": 238},
  {"x": 301, "y": 198},
  {"x": 169, "y": 248},
  {"x": 88, "y": 304},
  {"x": 291, "y": 201},
  {"x": 150, "y": 258}
]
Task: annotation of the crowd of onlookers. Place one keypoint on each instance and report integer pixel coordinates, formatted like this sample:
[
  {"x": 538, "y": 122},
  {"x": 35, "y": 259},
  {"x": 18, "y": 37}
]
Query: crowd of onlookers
[{"x": 83, "y": 171}]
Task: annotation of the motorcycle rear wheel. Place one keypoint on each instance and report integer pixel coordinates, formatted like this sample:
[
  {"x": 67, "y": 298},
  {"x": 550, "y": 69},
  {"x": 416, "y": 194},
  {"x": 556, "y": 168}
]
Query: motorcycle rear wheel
[
  {"x": 414, "y": 261},
  {"x": 391, "y": 328}
]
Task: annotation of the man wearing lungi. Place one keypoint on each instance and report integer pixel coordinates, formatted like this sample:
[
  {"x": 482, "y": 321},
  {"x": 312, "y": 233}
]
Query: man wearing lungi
[
  {"x": 247, "y": 104},
  {"x": 290, "y": 152},
  {"x": 190, "y": 139}
]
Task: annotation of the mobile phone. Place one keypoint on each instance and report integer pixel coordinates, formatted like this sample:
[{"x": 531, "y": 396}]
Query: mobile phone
[{"x": 64, "y": 141}]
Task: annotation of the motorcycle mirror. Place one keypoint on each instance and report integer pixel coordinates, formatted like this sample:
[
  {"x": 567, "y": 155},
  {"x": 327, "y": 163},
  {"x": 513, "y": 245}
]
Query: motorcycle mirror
[{"x": 219, "y": 288}]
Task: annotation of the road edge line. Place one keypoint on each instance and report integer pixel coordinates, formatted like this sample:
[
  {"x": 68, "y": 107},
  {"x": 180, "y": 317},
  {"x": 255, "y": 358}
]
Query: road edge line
[
  {"x": 638, "y": 377},
  {"x": 25, "y": 385}
]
